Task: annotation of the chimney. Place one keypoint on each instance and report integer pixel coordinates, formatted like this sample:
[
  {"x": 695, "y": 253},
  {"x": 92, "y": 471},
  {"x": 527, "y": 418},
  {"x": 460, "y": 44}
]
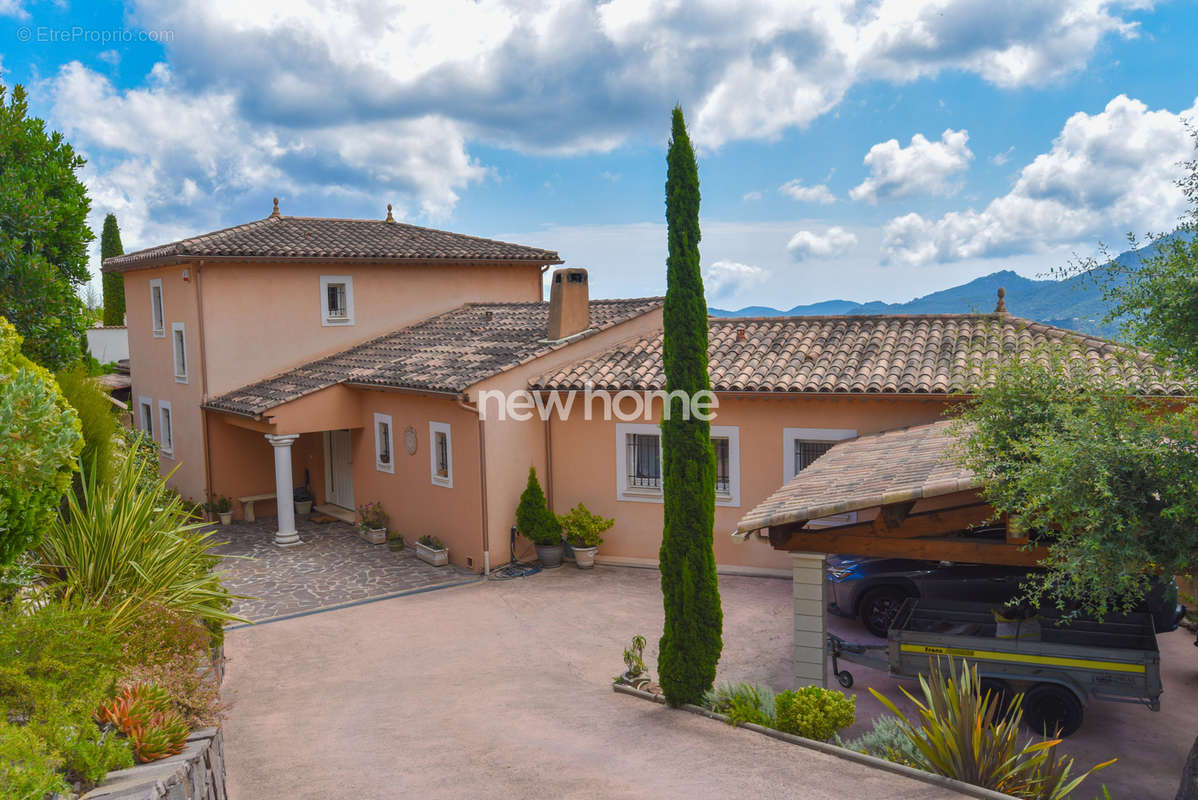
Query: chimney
[{"x": 569, "y": 303}]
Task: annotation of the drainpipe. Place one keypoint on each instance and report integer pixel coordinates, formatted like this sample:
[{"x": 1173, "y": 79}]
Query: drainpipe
[
  {"x": 549, "y": 461},
  {"x": 204, "y": 433},
  {"x": 464, "y": 402}
]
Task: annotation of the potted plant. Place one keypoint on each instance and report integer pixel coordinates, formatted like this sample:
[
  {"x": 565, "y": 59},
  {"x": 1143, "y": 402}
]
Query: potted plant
[
  {"x": 373, "y": 525},
  {"x": 583, "y": 531},
  {"x": 302, "y": 497},
  {"x": 221, "y": 507},
  {"x": 538, "y": 524},
  {"x": 394, "y": 541},
  {"x": 432, "y": 550}
]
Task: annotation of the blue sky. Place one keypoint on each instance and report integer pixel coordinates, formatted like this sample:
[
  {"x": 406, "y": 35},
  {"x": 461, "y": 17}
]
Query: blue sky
[{"x": 857, "y": 150}]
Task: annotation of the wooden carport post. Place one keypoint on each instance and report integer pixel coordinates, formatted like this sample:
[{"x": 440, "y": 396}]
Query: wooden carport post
[{"x": 811, "y": 620}]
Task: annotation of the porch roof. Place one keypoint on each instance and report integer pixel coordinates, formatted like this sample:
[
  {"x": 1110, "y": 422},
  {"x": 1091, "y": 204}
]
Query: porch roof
[
  {"x": 446, "y": 354},
  {"x": 879, "y": 469}
]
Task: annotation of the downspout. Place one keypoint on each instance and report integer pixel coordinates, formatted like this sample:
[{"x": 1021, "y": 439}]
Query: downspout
[
  {"x": 549, "y": 460},
  {"x": 204, "y": 433},
  {"x": 482, "y": 479}
]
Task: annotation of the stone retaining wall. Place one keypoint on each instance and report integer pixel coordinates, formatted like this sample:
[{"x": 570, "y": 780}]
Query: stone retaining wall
[{"x": 198, "y": 773}]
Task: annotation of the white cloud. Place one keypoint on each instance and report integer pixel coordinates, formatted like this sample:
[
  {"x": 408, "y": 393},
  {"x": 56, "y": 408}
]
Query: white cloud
[
  {"x": 923, "y": 167},
  {"x": 834, "y": 241},
  {"x": 1106, "y": 174},
  {"x": 572, "y": 75},
  {"x": 751, "y": 197},
  {"x": 999, "y": 159},
  {"x": 728, "y": 278},
  {"x": 168, "y": 162},
  {"x": 109, "y": 57},
  {"x": 808, "y": 194},
  {"x": 13, "y": 8}
]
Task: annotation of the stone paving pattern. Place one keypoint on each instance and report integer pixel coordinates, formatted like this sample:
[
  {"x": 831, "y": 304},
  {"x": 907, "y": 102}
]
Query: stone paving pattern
[{"x": 331, "y": 567}]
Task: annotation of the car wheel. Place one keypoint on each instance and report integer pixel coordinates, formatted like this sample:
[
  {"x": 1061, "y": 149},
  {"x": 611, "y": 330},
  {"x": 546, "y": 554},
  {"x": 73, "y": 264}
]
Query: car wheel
[
  {"x": 1051, "y": 710},
  {"x": 879, "y": 608}
]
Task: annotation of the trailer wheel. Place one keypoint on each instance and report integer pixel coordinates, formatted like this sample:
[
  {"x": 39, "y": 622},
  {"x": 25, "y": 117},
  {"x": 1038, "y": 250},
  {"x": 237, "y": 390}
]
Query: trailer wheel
[
  {"x": 845, "y": 678},
  {"x": 1000, "y": 692},
  {"x": 1052, "y": 710}
]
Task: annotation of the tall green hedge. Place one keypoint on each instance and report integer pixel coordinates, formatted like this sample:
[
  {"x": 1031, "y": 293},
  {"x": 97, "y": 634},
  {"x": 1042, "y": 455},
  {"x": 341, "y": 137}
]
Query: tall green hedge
[
  {"x": 692, "y": 640},
  {"x": 114, "y": 283}
]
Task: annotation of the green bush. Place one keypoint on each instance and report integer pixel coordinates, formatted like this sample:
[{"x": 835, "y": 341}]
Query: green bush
[
  {"x": 583, "y": 528},
  {"x": 98, "y": 418},
  {"x": 743, "y": 702},
  {"x": 39, "y": 440},
  {"x": 962, "y": 732},
  {"x": 172, "y": 651},
  {"x": 887, "y": 740},
  {"x": 124, "y": 548},
  {"x": 136, "y": 445},
  {"x": 58, "y": 662},
  {"x": 27, "y": 767},
  {"x": 533, "y": 518},
  {"x": 814, "y": 712}
]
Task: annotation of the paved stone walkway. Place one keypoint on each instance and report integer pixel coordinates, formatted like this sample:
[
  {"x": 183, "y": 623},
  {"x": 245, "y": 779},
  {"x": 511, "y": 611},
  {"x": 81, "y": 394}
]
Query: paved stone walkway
[{"x": 332, "y": 567}]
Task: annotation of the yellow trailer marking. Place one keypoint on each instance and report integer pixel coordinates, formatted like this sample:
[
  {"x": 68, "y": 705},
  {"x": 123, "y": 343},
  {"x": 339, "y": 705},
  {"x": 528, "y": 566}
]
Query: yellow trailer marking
[{"x": 1023, "y": 658}]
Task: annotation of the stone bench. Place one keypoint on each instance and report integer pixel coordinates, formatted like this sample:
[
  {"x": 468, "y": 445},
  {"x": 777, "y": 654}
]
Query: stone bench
[{"x": 247, "y": 504}]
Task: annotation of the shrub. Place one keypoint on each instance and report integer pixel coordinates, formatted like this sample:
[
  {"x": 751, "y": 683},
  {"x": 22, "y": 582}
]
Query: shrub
[
  {"x": 814, "y": 712},
  {"x": 172, "y": 652},
  {"x": 144, "y": 713},
  {"x": 887, "y": 740},
  {"x": 57, "y": 663},
  {"x": 27, "y": 767},
  {"x": 97, "y": 416},
  {"x": 533, "y": 517},
  {"x": 136, "y": 445},
  {"x": 582, "y": 528},
  {"x": 432, "y": 541},
  {"x": 219, "y": 505},
  {"x": 123, "y": 549},
  {"x": 373, "y": 515},
  {"x": 743, "y": 702},
  {"x": 965, "y": 734},
  {"x": 39, "y": 440}
]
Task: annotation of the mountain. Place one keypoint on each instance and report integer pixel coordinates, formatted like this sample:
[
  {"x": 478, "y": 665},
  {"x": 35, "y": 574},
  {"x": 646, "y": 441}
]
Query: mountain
[{"x": 1074, "y": 303}]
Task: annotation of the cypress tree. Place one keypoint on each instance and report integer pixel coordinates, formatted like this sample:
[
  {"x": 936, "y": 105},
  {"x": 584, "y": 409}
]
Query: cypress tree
[
  {"x": 692, "y": 640},
  {"x": 114, "y": 283}
]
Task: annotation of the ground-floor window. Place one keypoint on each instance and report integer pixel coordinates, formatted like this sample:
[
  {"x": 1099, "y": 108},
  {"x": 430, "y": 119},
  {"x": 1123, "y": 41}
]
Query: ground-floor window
[
  {"x": 440, "y": 454},
  {"x": 167, "y": 432},
  {"x": 639, "y": 458},
  {"x": 146, "y": 414},
  {"x": 800, "y": 449},
  {"x": 383, "y": 459}
]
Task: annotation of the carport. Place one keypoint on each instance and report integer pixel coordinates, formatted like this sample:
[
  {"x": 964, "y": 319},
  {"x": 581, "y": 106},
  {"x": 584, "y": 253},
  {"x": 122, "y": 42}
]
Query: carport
[{"x": 910, "y": 500}]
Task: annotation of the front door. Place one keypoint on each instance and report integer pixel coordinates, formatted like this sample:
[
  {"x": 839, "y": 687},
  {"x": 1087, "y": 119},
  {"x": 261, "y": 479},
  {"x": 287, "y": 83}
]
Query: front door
[{"x": 341, "y": 470}]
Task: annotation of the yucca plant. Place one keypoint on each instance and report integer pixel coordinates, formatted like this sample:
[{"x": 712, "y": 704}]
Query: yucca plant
[
  {"x": 966, "y": 734},
  {"x": 129, "y": 542}
]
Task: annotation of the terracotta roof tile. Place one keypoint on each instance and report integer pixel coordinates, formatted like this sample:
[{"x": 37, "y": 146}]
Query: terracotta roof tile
[
  {"x": 446, "y": 353},
  {"x": 874, "y": 470},
  {"x": 284, "y": 238},
  {"x": 897, "y": 354}
]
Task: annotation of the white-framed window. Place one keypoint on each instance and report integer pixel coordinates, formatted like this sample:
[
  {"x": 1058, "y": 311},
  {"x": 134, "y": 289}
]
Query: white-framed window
[
  {"x": 179, "y": 345},
  {"x": 145, "y": 415},
  {"x": 725, "y": 439},
  {"x": 384, "y": 451},
  {"x": 801, "y": 447},
  {"x": 440, "y": 454},
  {"x": 336, "y": 300},
  {"x": 639, "y": 463},
  {"x": 166, "y": 434},
  {"x": 157, "y": 308}
]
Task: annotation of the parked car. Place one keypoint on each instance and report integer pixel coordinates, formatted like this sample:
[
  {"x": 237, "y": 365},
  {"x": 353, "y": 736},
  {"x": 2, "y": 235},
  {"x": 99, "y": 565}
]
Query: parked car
[{"x": 874, "y": 588}]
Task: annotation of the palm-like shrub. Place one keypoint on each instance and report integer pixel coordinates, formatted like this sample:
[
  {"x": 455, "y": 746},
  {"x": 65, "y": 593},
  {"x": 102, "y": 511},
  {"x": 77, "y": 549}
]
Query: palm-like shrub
[
  {"x": 122, "y": 548},
  {"x": 966, "y": 734}
]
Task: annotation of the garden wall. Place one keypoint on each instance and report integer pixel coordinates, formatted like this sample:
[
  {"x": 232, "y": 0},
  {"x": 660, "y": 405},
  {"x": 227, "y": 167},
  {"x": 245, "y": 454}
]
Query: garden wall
[{"x": 198, "y": 773}]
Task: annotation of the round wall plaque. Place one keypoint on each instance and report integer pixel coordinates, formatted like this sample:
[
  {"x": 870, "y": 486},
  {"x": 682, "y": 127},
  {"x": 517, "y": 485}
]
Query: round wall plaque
[{"x": 409, "y": 440}]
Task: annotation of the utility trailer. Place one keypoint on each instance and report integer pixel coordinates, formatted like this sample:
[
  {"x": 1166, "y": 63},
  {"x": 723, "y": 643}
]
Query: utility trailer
[{"x": 1057, "y": 671}]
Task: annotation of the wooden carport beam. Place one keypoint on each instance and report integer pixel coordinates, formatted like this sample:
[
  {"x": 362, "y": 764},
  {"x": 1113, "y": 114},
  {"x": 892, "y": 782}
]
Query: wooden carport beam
[{"x": 927, "y": 536}]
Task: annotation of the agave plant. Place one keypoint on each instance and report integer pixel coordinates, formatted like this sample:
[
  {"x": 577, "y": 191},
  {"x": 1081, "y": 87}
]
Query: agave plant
[
  {"x": 164, "y": 734},
  {"x": 134, "y": 707},
  {"x": 128, "y": 542},
  {"x": 967, "y": 734}
]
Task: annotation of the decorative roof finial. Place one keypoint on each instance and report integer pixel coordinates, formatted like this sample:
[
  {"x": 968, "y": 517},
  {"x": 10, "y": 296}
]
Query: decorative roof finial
[
  {"x": 275, "y": 213},
  {"x": 1001, "y": 308},
  {"x": 389, "y": 217}
]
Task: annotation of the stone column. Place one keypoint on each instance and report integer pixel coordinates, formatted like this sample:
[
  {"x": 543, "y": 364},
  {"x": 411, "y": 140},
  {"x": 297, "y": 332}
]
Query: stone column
[
  {"x": 811, "y": 620},
  {"x": 286, "y": 535}
]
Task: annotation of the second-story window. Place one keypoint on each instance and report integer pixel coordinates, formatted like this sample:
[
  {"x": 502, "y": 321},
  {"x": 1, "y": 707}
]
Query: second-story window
[
  {"x": 337, "y": 300},
  {"x": 157, "y": 312},
  {"x": 179, "y": 338}
]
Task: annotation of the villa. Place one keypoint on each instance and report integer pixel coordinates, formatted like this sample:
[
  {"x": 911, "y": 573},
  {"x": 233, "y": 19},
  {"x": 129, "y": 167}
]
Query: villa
[{"x": 357, "y": 358}]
